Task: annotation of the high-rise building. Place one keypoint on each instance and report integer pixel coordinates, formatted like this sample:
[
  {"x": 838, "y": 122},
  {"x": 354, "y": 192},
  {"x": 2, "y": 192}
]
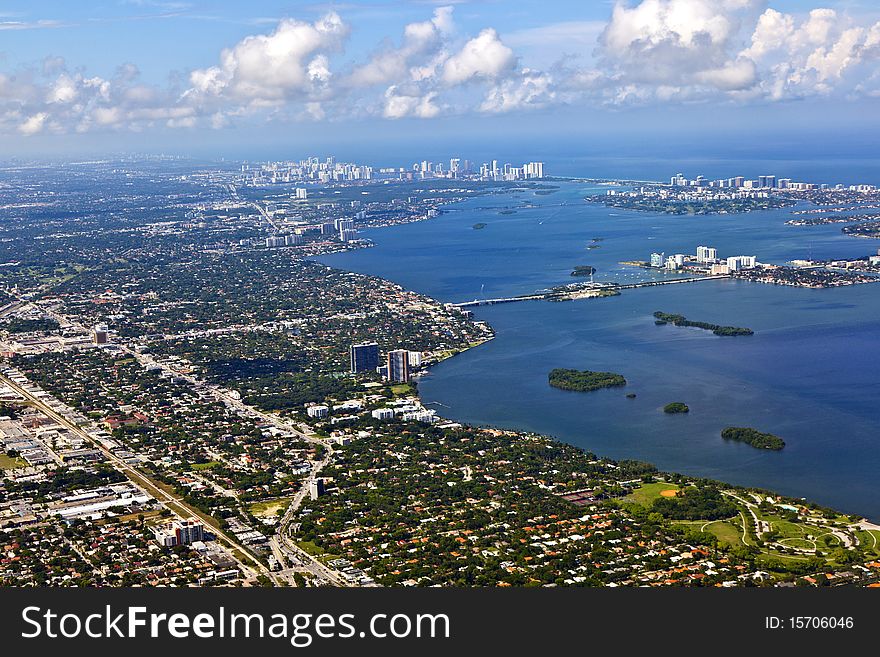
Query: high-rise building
[
  {"x": 179, "y": 532},
  {"x": 99, "y": 334},
  {"x": 364, "y": 357},
  {"x": 398, "y": 366},
  {"x": 348, "y": 234},
  {"x": 316, "y": 488},
  {"x": 706, "y": 254},
  {"x": 302, "y": 193},
  {"x": 657, "y": 259},
  {"x": 736, "y": 263},
  {"x": 189, "y": 531}
]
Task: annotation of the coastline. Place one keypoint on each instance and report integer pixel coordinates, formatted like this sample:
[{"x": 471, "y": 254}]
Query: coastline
[{"x": 427, "y": 372}]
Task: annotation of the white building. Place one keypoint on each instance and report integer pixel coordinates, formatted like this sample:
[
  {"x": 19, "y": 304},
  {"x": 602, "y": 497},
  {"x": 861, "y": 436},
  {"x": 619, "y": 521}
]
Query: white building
[
  {"x": 706, "y": 254},
  {"x": 735, "y": 263},
  {"x": 383, "y": 413},
  {"x": 317, "y": 411}
]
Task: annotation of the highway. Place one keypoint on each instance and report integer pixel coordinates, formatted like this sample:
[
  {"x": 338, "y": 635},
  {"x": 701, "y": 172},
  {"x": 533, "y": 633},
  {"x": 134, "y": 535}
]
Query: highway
[
  {"x": 281, "y": 543},
  {"x": 172, "y": 503}
]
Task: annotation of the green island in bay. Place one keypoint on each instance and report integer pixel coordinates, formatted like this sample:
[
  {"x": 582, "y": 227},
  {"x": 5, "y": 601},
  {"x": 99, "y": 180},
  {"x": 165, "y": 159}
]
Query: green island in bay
[
  {"x": 584, "y": 380},
  {"x": 680, "y": 320},
  {"x": 676, "y": 407},
  {"x": 753, "y": 437},
  {"x": 583, "y": 270},
  {"x": 479, "y": 226}
]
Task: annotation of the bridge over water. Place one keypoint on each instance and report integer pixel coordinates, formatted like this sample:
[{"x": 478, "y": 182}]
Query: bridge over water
[{"x": 596, "y": 286}]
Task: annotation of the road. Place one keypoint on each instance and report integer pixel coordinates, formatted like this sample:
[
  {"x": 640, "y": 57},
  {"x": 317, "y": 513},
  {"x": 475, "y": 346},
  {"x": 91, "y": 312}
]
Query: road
[
  {"x": 172, "y": 503},
  {"x": 281, "y": 543}
]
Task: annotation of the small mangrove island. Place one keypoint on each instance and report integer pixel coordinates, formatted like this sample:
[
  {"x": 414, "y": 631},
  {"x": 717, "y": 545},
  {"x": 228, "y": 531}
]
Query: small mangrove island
[
  {"x": 583, "y": 270},
  {"x": 753, "y": 437},
  {"x": 680, "y": 320},
  {"x": 676, "y": 407},
  {"x": 584, "y": 380},
  {"x": 479, "y": 226}
]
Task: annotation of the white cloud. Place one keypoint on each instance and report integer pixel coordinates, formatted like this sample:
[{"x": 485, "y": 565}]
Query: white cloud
[
  {"x": 484, "y": 56},
  {"x": 33, "y": 124},
  {"x": 421, "y": 41},
  {"x": 530, "y": 90},
  {"x": 649, "y": 51},
  {"x": 400, "y": 104},
  {"x": 270, "y": 68},
  {"x": 818, "y": 54}
]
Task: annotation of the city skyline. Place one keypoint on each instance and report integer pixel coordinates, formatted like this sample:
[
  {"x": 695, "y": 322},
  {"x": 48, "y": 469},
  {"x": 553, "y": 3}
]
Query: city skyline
[{"x": 193, "y": 77}]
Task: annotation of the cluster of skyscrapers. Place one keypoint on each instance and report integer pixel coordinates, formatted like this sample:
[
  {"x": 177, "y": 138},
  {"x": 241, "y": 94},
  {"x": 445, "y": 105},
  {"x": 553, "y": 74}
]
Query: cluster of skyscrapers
[
  {"x": 740, "y": 182},
  {"x": 311, "y": 169},
  {"x": 459, "y": 168},
  {"x": 328, "y": 170},
  {"x": 761, "y": 182}
]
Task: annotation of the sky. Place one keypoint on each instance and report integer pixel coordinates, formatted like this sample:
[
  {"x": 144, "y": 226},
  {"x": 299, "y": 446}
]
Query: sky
[{"x": 400, "y": 77}]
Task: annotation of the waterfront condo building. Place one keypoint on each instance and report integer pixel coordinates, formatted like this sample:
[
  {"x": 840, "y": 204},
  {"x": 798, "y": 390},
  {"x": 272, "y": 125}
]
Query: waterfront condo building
[
  {"x": 364, "y": 357},
  {"x": 398, "y": 366}
]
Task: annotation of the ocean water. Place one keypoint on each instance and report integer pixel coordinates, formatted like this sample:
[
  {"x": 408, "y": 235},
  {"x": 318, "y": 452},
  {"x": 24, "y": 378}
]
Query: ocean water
[{"x": 811, "y": 372}]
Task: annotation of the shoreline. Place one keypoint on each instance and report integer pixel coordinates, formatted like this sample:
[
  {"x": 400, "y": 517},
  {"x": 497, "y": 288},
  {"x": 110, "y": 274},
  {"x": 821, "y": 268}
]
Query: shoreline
[{"x": 864, "y": 519}]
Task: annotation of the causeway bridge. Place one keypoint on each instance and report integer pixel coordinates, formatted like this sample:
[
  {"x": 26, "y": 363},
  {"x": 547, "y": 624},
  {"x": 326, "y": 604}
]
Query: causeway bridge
[{"x": 596, "y": 286}]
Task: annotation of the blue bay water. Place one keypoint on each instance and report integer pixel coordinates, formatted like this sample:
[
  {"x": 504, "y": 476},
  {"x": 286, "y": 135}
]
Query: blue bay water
[{"x": 811, "y": 372}]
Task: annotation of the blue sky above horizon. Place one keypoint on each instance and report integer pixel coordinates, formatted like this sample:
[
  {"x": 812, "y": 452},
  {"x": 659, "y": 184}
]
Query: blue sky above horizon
[{"x": 226, "y": 78}]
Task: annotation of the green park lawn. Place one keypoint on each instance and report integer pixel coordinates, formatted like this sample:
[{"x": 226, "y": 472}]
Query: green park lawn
[
  {"x": 645, "y": 494},
  {"x": 11, "y": 462}
]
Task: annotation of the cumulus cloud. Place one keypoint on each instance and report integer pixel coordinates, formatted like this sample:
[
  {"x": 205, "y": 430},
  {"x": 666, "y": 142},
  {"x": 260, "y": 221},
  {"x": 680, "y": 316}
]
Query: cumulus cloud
[
  {"x": 529, "y": 90},
  {"x": 667, "y": 50},
  {"x": 649, "y": 51},
  {"x": 663, "y": 43},
  {"x": 815, "y": 55},
  {"x": 399, "y": 104},
  {"x": 33, "y": 124},
  {"x": 271, "y": 68},
  {"x": 421, "y": 41},
  {"x": 484, "y": 56}
]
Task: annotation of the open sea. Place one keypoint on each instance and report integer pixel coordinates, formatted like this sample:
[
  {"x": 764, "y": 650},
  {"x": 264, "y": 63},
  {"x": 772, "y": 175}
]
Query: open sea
[{"x": 811, "y": 372}]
